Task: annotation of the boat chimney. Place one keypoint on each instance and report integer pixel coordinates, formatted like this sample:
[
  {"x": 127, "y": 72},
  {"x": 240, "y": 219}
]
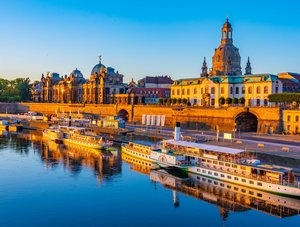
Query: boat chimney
[{"x": 177, "y": 131}]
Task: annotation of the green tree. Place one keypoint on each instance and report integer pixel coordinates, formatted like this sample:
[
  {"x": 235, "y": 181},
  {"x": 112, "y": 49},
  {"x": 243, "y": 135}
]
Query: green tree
[
  {"x": 174, "y": 101},
  {"x": 222, "y": 100},
  {"x": 160, "y": 101},
  {"x": 169, "y": 101},
  {"x": 228, "y": 100},
  {"x": 235, "y": 101},
  {"x": 242, "y": 100}
]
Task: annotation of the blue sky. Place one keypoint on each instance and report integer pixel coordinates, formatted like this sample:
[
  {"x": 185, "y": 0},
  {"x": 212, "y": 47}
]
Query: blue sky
[{"x": 144, "y": 38}]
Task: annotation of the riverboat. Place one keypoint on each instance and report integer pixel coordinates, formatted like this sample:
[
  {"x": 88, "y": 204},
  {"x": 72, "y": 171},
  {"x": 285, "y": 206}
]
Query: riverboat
[
  {"x": 53, "y": 133},
  {"x": 236, "y": 166},
  {"x": 84, "y": 137},
  {"x": 137, "y": 150}
]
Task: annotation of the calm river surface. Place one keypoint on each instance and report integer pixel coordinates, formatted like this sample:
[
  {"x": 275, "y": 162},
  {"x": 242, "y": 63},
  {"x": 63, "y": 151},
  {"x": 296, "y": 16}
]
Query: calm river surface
[{"x": 43, "y": 184}]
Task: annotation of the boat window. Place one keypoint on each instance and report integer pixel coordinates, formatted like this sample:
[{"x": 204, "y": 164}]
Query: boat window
[
  {"x": 222, "y": 175},
  {"x": 216, "y": 174},
  {"x": 229, "y": 186},
  {"x": 209, "y": 172},
  {"x": 227, "y": 164},
  {"x": 236, "y": 178},
  {"x": 259, "y": 184},
  {"x": 215, "y": 162},
  {"x": 251, "y": 192},
  {"x": 221, "y": 184},
  {"x": 229, "y": 177},
  {"x": 236, "y": 188},
  {"x": 221, "y": 163},
  {"x": 259, "y": 194},
  {"x": 203, "y": 171},
  {"x": 251, "y": 182},
  {"x": 243, "y": 190},
  {"x": 243, "y": 180},
  {"x": 234, "y": 166},
  {"x": 203, "y": 179},
  {"x": 209, "y": 181},
  {"x": 216, "y": 183}
]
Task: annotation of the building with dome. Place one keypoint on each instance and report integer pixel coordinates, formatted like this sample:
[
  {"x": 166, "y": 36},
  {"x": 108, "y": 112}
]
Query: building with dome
[
  {"x": 103, "y": 83},
  {"x": 225, "y": 83},
  {"x": 69, "y": 88},
  {"x": 74, "y": 88}
]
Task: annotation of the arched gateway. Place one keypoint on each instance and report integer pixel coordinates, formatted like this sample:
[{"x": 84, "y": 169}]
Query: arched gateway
[
  {"x": 246, "y": 122},
  {"x": 123, "y": 114}
]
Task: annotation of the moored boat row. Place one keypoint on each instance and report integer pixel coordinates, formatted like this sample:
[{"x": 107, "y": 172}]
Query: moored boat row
[{"x": 225, "y": 164}]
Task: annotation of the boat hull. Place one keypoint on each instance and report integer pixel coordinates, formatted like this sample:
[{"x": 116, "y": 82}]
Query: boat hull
[
  {"x": 251, "y": 183},
  {"x": 83, "y": 144}
]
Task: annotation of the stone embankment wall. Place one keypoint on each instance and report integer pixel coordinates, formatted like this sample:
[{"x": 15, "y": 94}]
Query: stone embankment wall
[{"x": 190, "y": 117}]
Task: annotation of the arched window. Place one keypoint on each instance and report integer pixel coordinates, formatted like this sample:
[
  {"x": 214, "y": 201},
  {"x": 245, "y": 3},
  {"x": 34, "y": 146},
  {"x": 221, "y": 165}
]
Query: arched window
[
  {"x": 195, "y": 91},
  {"x": 212, "y": 91},
  {"x": 237, "y": 90},
  {"x": 258, "y": 90},
  {"x": 222, "y": 90},
  {"x": 266, "y": 90},
  {"x": 183, "y": 91},
  {"x": 249, "y": 90},
  {"x": 206, "y": 90},
  {"x": 173, "y": 92},
  {"x": 202, "y": 90},
  {"x": 178, "y": 92},
  {"x": 231, "y": 90},
  {"x": 188, "y": 92},
  {"x": 243, "y": 90}
]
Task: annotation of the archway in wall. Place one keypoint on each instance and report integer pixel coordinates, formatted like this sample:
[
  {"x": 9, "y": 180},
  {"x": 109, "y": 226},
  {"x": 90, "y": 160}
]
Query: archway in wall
[
  {"x": 123, "y": 114},
  {"x": 246, "y": 122}
]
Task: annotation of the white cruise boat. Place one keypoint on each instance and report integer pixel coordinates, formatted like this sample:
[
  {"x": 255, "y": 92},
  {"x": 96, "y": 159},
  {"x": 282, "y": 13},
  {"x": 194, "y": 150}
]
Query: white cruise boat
[
  {"x": 136, "y": 150},
  {"x": 235, "y": 166}
]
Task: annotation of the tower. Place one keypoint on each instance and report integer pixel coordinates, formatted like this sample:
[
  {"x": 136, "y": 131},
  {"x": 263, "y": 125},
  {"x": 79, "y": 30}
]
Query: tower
[
  {"x": 204, "y": 69},
  {"x": 248, "y": 69},
  {"x": 226, "y": 60}
]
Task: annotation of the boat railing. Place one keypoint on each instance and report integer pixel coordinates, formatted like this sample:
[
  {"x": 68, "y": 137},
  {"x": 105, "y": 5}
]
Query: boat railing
[{"x": 251, "y": 176}]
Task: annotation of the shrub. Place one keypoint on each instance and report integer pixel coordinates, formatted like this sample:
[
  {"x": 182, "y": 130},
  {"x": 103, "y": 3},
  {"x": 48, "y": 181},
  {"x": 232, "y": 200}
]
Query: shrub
[
  {"x": 235, "y": 101},
  {"x": 221, "y": 100},
  {"x": 228, "y": 100},
  {"x": 242, "y": 100}
]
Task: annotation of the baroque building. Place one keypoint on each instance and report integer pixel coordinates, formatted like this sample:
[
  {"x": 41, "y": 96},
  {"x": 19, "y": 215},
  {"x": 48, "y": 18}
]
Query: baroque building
[
  {"x": 74, "y": 88},
  {"x": 225, "y": 80}
]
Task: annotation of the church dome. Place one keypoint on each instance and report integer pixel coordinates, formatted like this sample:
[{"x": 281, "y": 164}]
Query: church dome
[
  {"x": 98, "y": 68},
  {"x": 76, "y": 74}
]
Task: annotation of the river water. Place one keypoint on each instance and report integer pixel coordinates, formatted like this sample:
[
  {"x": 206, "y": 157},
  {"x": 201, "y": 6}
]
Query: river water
[{"x": 44, "y": 184}]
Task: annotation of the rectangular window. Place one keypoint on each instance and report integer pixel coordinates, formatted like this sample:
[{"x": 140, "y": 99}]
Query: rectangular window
[
  {"x": 288, "y": 118},
  {"x": 251, "y": 182},
  {"x": 297, "y": 118}
]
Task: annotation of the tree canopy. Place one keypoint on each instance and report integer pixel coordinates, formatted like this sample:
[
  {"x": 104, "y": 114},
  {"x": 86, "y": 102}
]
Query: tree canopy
[
  {"x": 285, "y": 98},
  {"x": 15, "y": 90}
]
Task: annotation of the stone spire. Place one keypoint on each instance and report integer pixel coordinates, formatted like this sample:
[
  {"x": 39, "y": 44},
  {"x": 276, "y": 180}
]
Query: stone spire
[
  {"x": 204, "y": 69},
  {"x": 248, "y": 68}
]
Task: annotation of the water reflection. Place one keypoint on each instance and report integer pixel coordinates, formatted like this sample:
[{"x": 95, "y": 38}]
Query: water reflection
[
  {"x": 228, "y": 197},
  {"x": 74, "y": 159}
]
